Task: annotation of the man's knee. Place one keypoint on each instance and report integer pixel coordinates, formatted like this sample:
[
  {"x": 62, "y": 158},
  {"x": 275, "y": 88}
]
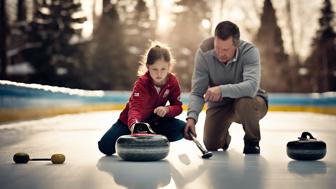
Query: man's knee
[
  {"x": 243, "y": 102},
  {"x": 211, "y": 145}
]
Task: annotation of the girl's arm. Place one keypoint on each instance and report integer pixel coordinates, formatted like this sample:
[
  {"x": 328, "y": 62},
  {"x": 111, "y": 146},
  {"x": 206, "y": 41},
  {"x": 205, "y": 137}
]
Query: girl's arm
[
  {"x": 135, "y": 103},
  {"x": 175, "y": 107}
]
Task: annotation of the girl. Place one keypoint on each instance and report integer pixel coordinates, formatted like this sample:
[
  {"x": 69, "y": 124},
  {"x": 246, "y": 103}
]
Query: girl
[{"x": 148, "y": 101}]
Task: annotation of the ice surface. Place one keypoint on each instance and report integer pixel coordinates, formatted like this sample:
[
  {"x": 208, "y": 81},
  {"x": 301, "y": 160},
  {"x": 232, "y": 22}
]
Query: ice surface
[{"x": 77, "y": 135}]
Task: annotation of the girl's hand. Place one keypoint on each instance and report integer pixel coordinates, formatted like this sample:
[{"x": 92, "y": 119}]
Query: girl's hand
[{"x": 161, "y": 111}]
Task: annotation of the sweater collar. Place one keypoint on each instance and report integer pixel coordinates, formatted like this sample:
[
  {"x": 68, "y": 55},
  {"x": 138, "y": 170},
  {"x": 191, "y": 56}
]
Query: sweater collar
[{"x": 235, "y": 58}]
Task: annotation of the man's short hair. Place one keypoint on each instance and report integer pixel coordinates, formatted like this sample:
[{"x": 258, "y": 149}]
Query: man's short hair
[{"x": 227, "y": 29}]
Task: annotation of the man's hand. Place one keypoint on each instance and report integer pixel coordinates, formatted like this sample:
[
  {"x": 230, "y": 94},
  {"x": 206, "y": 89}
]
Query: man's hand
[
  {"x": 190, "y": 127},
  {"x": 213, "y": 94},
  {"x": 161, "y": 111}
]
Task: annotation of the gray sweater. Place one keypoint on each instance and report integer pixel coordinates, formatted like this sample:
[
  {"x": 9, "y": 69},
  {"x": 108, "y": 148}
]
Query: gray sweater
[{"x": 240, "y": 77}]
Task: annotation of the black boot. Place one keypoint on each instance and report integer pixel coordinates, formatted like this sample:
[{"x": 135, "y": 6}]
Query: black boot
[
  {"x": 251, "y": 147},
  {"x": 226, "y": 145}
]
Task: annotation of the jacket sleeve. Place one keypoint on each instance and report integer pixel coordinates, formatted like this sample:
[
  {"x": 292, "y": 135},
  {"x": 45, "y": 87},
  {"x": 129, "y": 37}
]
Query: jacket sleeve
[
  {"x": 199, "y": 85},
  {"x": 175, "y": 107},
  {"x": 136, "y": 102}
]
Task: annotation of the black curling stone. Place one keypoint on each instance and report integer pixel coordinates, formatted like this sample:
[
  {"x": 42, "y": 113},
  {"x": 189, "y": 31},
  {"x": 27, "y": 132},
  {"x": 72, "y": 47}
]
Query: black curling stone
[
  {"x": 307, "y": 148},
  {"x": 142, "y": 147}
]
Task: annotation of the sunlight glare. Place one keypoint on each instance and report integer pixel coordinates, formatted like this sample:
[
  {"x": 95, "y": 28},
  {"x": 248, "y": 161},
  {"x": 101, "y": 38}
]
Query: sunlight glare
[
  {"x": 163, "y": 21},
  {"x": 206, "y": 23},
  {"x": 87, "y": 29},
  {"x": 237, "y": 14}
]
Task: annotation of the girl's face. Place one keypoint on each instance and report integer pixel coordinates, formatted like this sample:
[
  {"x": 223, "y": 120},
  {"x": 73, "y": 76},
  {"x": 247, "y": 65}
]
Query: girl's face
[{"x": 159, "y": 71}]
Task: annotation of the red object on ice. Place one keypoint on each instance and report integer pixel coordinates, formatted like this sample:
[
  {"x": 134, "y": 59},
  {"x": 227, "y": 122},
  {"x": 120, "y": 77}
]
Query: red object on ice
[{"x": 142, "y": 134}]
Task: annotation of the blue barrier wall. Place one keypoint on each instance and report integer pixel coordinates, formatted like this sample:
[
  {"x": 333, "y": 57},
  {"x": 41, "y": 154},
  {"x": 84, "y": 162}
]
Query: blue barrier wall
[
  {"x": 19, "y": 95},
  {"x": 309, "y": 99},
  {"x": 31, "y": 97}
]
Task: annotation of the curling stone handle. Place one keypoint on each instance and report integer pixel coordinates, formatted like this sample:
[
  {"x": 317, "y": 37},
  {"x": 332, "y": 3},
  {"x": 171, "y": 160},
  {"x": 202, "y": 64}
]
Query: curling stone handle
[
  {"x": 40, "y": 159},
  {"x": 142, "y": 127},
  {"x": 304, "y": 136}
]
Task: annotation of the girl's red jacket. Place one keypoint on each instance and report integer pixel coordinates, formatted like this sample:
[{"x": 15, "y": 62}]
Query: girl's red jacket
[{"x": 145, "y": 99}]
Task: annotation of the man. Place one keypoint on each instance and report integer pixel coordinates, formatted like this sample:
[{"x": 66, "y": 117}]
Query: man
[{"x": 227, "y": 77}]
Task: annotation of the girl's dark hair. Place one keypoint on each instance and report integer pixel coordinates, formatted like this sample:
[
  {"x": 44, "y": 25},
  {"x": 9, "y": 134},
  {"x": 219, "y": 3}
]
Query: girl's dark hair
[
  {"x": 227, "y": 29},
  {"x": 155, "y": 52}
]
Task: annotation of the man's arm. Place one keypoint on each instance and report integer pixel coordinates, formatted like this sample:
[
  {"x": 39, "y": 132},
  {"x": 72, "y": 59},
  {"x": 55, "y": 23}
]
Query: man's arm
[
  {"x": 251, "y": 77},
  {"x": 200, "y": 82}
]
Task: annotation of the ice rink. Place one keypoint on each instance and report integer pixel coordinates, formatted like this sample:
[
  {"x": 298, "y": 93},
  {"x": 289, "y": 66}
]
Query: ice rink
[{"x": 77, "y": 135}]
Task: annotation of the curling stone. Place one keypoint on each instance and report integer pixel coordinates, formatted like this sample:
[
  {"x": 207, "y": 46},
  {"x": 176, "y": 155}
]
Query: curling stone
[
  {"x": 307, "y": 148},
  {"x": 142, "y": 145}
]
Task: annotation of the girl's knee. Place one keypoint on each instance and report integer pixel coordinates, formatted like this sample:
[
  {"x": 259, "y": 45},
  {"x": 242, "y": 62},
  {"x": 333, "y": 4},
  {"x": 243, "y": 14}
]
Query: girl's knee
[
  {"x": 107, "y": 143},
  {"x": 173, "y": 137},
  {"x": 106, "y": 148},
  {"x": 179, "y": 124}
]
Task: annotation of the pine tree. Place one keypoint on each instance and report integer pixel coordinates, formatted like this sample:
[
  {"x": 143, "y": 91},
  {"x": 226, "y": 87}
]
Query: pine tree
[
  {"x": 322, "y": 61},
  {"x": 187, "y": 35},
  {"x": 17, "y": 42},
  {"x": 274, "y": 60},
  {"x": 139, "y": 27},
  {"x": 139, "y": 30},
  {"x": 21, "y": 10},
  {"x": 54, "y": 35},
  {"x": 3, "y": 39},
  {"x": 108, "y": 68}
]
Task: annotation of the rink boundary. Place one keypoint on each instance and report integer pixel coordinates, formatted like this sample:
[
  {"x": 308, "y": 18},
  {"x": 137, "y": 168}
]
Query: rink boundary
[
  {"x": 16, "y": 114},
  {"x": 20, "y": 101}
]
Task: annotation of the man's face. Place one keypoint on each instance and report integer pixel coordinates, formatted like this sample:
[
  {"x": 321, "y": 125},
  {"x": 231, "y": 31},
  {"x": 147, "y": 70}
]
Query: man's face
[{"x": 225, "y": 49}]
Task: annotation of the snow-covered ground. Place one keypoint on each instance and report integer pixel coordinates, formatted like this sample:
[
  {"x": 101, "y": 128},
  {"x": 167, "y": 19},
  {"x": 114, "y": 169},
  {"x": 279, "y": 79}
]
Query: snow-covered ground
[{"x": 76, "y": 136}]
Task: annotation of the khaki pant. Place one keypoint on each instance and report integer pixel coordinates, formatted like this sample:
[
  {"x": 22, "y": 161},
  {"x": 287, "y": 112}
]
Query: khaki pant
[{"x": 246, "y": 111}]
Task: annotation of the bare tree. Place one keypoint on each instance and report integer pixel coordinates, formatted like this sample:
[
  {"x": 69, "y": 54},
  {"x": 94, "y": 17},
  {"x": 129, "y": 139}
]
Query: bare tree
[
  {"x": 94, "y": 13},
  {"x": 221, "y": 9},
  {"x": 293, "y": 57},
  {"x": 21, "y": 10},
  {"x": 156, "y": 8},
  {"x": 290, "y": 26},
  {"x": 3, "y": 32}
]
